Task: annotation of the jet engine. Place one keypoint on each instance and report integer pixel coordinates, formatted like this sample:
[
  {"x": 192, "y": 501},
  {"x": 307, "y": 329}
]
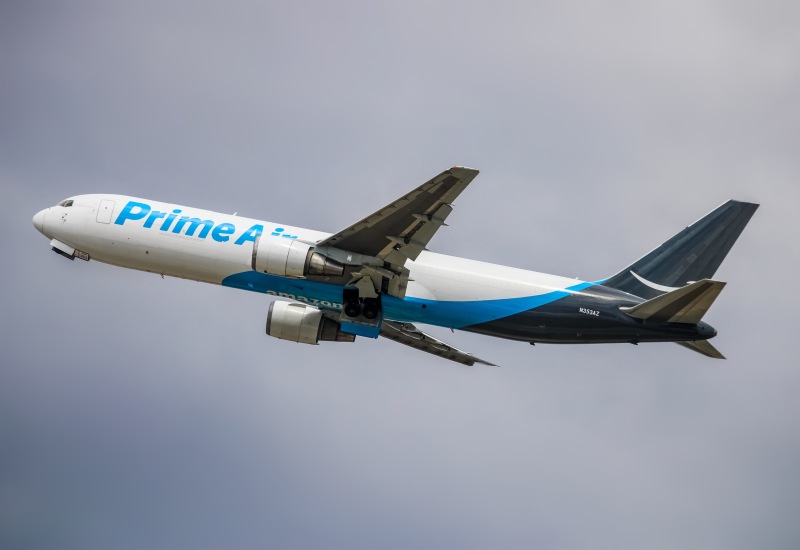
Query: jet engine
[
  {"x": 303, "y": 323},
  {"x": 292, "y": 258}
]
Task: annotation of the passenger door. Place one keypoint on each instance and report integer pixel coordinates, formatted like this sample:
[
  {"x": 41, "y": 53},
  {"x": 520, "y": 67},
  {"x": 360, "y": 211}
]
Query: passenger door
[{"x": 105, "y": 211}]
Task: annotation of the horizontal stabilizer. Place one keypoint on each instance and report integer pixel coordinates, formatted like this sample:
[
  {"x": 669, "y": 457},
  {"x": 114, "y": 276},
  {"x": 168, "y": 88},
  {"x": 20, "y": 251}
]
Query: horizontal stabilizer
[
  {"x": 704, "y": 347},
  {"x": 684, "y": 305}
]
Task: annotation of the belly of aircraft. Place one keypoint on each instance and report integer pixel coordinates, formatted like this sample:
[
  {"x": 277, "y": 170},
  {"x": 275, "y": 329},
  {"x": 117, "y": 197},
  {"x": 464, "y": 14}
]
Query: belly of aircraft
[{"x": 589, "y": 319}]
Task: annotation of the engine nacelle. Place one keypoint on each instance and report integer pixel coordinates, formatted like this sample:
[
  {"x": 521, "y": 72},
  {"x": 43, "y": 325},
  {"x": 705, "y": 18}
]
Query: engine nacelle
[
  {"x": 292, "y": 258},
  {"x": 303, "y": 323}
]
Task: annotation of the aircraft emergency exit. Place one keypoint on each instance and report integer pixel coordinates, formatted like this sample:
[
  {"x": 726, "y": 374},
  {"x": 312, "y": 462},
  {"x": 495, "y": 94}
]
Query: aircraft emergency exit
[{"x": 377, "y": 277}]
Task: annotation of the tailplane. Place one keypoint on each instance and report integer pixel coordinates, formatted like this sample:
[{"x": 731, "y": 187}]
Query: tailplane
[
  {"x": 704, "y": 347},
  {"x": 692, "y": 255},
  {"x": 685, "y": 305}
]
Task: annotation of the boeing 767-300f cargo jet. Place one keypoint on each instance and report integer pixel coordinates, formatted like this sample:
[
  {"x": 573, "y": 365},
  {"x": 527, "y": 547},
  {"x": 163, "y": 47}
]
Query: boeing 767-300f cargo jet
[{"x": 377, "y": 278}]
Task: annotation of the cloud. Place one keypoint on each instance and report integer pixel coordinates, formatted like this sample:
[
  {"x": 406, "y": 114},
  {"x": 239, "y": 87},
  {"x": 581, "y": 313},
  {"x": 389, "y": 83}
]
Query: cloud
[{"x": 140, "y": 412}]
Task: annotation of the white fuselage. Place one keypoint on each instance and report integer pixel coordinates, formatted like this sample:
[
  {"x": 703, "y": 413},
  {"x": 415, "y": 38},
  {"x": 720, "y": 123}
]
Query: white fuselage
[
  {"x": 376, "y": 278},
  {"x": 216, "y": 248}
]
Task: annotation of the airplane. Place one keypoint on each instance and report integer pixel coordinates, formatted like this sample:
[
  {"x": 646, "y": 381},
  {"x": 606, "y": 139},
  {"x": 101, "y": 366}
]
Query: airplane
[{"x": 377, "y": 278}]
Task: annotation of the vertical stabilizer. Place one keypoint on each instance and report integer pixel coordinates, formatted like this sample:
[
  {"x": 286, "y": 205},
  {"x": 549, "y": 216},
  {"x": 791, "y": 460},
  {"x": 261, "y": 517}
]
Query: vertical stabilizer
[{"x": 692, "y": 255}]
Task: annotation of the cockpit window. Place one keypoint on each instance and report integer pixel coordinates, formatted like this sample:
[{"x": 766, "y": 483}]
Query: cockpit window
[{"x": 65, "y": 203}]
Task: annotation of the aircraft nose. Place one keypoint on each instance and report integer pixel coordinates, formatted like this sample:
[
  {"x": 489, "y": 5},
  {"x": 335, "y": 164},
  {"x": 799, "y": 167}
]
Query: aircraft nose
[{"x": 38, "y": 220}]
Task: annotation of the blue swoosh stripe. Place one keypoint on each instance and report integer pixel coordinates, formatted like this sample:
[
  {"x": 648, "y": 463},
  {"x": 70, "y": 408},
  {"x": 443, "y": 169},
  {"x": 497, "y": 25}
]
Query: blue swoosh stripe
[
  {"x": 455, "y": 314},
  {"x": 467, "y": 313}
]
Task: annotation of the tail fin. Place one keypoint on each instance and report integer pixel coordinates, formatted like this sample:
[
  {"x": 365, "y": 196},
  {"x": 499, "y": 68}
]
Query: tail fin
[
  {"x": 692, "y": 255},
  {"x": 684, "y": 305}
]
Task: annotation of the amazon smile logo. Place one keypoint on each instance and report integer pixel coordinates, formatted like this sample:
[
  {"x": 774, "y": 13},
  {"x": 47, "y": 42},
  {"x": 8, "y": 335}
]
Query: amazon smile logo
[{"x": 654, "y": 286}]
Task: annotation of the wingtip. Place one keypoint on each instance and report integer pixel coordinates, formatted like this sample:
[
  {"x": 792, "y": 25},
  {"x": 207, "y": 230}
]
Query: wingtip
[{"x": 465, "y": 168}]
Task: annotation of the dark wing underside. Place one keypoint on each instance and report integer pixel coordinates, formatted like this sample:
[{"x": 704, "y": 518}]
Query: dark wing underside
[{"x": 409, "y": 335}]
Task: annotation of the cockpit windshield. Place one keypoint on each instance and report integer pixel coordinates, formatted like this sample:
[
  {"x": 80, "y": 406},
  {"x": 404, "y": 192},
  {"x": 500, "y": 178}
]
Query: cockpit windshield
[{"x": 67, "y": 202}]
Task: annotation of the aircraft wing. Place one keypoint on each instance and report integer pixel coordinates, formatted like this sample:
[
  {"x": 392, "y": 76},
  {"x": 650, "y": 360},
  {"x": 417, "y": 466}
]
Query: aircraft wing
[
  {"x": 408, "y": 334},
  {"x": 398, "y": 232},
  {"x": 402, "y": 229}
]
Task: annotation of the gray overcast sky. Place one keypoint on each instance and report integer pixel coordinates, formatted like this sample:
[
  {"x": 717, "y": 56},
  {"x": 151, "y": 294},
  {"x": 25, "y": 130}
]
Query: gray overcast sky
[{"x": 141, "y": 413}]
